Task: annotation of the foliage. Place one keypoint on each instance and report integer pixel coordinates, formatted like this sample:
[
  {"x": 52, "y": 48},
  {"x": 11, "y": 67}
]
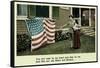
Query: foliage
[
  {"x": 59, "y": 35},
  {"x": 23, "y": 42}
]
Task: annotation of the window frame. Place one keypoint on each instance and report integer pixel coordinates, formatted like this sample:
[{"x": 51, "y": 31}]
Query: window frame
[{"x": 22, "y": 17}]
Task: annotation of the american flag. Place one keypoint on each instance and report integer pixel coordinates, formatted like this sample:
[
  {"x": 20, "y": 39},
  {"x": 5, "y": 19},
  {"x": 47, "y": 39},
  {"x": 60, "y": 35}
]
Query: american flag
[{"x": 42, "y": 31}]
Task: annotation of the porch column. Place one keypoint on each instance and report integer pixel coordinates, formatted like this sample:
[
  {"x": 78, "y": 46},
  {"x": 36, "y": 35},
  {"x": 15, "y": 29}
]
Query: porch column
[
  {"x": 71, "y": 10},
  {"x": 50, "y": 12},
  {"x": 90, "y": 17},
  {"x": 80, "y": 16}
]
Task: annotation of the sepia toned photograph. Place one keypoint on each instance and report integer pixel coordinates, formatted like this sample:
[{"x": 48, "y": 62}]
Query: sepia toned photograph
[{"x": 54, "y": 29}]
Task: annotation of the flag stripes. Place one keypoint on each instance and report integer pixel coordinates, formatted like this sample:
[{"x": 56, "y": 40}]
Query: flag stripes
[{"x": 50, "y": 30}]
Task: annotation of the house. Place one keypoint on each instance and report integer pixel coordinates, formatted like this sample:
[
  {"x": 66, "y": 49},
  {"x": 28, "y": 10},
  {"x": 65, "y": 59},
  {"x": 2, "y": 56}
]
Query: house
[{"x": 86, "y": 16}]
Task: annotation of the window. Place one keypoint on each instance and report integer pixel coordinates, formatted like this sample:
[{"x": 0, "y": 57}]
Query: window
[
  {"x": 55, "y": 12},
  {"x": 32, "y": 10},
  {"x": 75, "y": 12},
  {"x": 21, "y": 10},
  {"x": 42, "y": 11}
]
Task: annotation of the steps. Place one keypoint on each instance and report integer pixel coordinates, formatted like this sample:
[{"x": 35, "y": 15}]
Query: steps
[{"x": 88, "y": 31}]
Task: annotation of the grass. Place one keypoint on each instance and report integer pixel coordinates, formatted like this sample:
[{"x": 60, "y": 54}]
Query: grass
[{"x": 64, "y": 47}]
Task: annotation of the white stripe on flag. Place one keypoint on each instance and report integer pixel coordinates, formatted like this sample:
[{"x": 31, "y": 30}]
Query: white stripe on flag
[
  {"x": 37, "y": 46},
  {"x": 50, "y": 38},
  {"x": 51, "y": 30},
  {"x": 52, "y": 21},
  {"x": 50, "y": 25},
  {"x": 49, "y": 33},
  {"x": 36, "y": 36},
  {"x": 38, "y": 40},
  {"x": 51, "y": 41}
]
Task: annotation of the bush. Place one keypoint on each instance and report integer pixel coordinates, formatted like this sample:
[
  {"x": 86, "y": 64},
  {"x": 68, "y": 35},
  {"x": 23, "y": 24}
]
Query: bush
[
  {"x": 59, "y": 36},
  {"x": 23, "y": 42}
]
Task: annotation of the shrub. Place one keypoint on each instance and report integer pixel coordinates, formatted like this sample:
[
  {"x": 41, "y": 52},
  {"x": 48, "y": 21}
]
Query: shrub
[{"x": 23, "y": 42}]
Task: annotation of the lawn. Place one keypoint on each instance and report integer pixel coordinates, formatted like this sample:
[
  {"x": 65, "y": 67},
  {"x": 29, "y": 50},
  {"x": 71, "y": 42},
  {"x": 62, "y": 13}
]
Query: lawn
[{"x": 64, "y": 47}]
